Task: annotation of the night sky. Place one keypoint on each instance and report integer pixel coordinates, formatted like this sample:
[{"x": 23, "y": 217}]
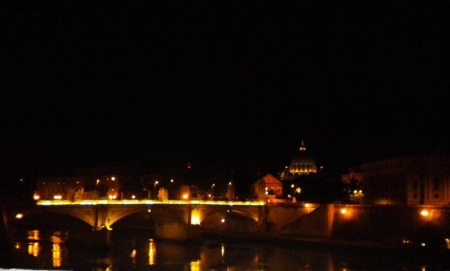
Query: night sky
[{"x": 227, "y": 86}]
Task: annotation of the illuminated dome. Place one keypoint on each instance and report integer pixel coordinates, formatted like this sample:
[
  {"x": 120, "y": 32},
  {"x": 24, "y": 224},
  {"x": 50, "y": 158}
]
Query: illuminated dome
[{"x": 302, "y": 164}]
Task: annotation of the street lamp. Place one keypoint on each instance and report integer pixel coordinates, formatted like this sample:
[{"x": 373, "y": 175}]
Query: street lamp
[{"x": 154, "y": 188}]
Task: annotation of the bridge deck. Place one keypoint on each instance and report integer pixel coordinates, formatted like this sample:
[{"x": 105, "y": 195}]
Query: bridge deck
[{"x": 150, "y": 202}]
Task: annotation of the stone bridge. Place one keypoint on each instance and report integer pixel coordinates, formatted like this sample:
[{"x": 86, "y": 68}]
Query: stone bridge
[{"x": 183, "y": 219}]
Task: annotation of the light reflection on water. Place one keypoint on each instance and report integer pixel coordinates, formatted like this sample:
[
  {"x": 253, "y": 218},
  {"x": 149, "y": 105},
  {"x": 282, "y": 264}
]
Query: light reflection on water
[{"x": 140, "y": 252}]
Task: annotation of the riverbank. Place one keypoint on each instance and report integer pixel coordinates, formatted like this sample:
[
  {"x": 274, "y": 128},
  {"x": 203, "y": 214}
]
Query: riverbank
[{"x": 404, "y": 245}]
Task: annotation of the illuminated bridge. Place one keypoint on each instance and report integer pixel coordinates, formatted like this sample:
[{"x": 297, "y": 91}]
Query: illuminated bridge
[{"x": 184, "y": 219}]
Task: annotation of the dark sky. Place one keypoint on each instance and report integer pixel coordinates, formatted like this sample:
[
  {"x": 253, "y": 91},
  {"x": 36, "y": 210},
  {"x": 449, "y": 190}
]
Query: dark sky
[{"x": 227, "y": 85}]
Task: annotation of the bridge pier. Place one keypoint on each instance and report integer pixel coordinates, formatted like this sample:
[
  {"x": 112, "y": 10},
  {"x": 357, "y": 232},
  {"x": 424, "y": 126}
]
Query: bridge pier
[{"x": 5, "y": 242}]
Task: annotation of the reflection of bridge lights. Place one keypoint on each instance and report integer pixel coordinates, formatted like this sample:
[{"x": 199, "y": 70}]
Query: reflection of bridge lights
[
  {"x": 151, "y": 252},
  {"x": 33, "y": 249},
  {"x": 195, "y": 265},
  {"x": 56, "y": 253},
  {"x": 133, "y": 256}
]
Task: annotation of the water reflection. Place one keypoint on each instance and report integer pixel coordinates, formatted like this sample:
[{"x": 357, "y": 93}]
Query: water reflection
[
  {"x": 151, "y": 252},
  {"x": 33, "y": 249},
  {"x": 131, "y": 252}
]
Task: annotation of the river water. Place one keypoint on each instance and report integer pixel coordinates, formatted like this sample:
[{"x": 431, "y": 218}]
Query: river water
[{"x": 50, "y": 250}]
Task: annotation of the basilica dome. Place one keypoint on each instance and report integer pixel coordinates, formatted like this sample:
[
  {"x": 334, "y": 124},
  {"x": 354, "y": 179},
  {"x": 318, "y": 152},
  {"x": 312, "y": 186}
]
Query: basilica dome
[{"x": 303, "y": 163}]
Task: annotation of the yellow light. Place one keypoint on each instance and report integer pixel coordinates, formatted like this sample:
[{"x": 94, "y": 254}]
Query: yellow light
[
  {"x": 195, "y": 220},
  {"x": 19, "y": 216},
  {"x": 147, "y": 202},
  {"x": 151, "y": 252},
  {"x": 424, "y": 213},
  {"x": 195, "y": 265},
  {"x": 57, "y": 197},
  {"x": 185, "y": 196},
  {"x": 307, "y": 205},
  {"x": 343, "y": 211},
  {"x": 113, "y": 178},
  {"x": 33, "y": 249},
  {"x": 56, "y": 253},
  {"x": 36, "y": 197},
  {"x": 195, "y": 217}
]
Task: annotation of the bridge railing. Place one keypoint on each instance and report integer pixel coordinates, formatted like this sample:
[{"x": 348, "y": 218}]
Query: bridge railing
[{"x": 147, "y": 202}]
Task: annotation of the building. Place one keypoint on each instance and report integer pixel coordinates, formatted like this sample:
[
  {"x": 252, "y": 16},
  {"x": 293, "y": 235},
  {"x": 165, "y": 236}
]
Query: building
[
  {"x": 64, "y": 188},
  {"x": 301, "y": 164},
  {"x": 268, "y": 188},
  {"x": 78, "y": 187},
  {"x": 402, "y": 180}
]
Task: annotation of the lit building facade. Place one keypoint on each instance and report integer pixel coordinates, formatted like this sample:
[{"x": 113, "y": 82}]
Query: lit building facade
[
  {"x": 302, "y": 164},
  {"x": 83, "y": 184},
  {"x": 267, "y": 188},
  {"x": 403, "y": 180},
  {"x": 64, "y": 188}
]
